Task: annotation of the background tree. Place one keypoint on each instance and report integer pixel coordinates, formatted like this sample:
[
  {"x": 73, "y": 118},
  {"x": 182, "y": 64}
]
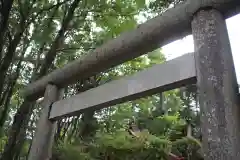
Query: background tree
[{"x": 39, "y": 36}]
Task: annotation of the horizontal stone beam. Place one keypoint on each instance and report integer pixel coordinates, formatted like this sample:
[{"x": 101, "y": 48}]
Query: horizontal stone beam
[
  {"x": 173, "y": 24},
  {"x": 169, "y": 75}
]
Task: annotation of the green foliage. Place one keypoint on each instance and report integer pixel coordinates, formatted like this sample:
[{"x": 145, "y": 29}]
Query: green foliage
[
  {"x": 118, "y": 145},
  {"x": 67, "y": 151},
  {"x": 3, "y": 141},
  {"x": 161, "y": 119}
]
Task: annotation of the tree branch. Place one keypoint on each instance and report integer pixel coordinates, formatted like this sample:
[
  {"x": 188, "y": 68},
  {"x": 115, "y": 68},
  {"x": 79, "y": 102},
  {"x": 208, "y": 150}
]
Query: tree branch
[
  {"x": 73, "y": 48},
  {"x": 26, "y": 59},
  {"x": 21, "y": 9},
  {"x": 47, "y": 9},
  {"x": 100, "y": 13},
  {"x": 59, "y": 40},
  {"x": 33, "y": 60}
]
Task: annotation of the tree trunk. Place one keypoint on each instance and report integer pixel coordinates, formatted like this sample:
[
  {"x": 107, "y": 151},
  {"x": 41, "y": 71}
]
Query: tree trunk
[
  {"x": 4, "y": 94},
  {"x": 74, "y": 128},
  {"x": 4, "y": 11},
  {"x": 58, "y": 133},
  {"x": 50, "y": 56},
  {"x": 8, "y": 58},
  {"x": 21, "y": 118},
  {"x": 15, "y": 133},
  {"x": 9, "y": 93},
  {"x": 4, "y": 113},
  {"x": 88, "y": 130}
]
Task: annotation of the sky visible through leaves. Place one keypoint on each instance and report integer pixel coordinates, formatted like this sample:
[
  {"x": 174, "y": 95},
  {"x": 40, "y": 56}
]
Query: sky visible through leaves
[{"x": 185, "y": 45}]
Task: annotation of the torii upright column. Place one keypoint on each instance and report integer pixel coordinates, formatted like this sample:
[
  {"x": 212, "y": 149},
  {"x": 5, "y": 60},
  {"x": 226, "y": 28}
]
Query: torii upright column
[
  {"x": 217, "y": 85},
  {"x": 41, "y": 148}
]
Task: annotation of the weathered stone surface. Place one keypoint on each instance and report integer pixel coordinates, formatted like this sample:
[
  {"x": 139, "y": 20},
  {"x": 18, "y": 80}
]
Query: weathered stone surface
[
  {"x": 163, "y": 29},
  {"x": 218, "y": 87},
  {"x": 41, "y": 148},
  {"x": 169, "y": 75}
]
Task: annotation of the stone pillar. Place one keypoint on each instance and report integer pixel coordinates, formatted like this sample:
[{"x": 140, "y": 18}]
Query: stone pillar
[
  {"x": 41, "y": 148},
  {"x": 217, "y": 84}
]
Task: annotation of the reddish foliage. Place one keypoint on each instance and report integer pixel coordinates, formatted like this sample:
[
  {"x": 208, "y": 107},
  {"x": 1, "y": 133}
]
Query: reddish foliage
[{"x": 174, "y": 157}]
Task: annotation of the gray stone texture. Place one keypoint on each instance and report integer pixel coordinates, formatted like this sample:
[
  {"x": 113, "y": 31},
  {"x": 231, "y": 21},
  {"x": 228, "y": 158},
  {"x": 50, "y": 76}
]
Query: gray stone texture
[
  {"x": 163, "y": 29},
  {"x": 41, "y": 148},
  {"x": 217, "y": 85},
  {"x": 169, "y": 75}
]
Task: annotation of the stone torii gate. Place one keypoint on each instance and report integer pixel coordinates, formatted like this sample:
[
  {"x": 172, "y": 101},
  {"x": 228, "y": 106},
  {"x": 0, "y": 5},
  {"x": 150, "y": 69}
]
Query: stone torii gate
[{"x": 210, "y": 67}]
